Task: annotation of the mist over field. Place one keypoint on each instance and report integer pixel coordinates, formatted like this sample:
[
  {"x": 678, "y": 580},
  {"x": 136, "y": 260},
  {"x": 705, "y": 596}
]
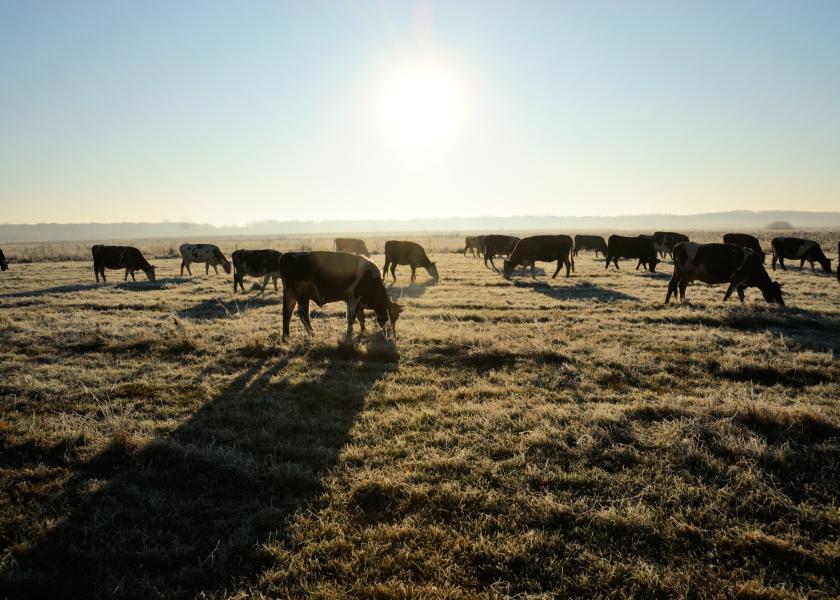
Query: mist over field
[{"x": 729, "y": 221}]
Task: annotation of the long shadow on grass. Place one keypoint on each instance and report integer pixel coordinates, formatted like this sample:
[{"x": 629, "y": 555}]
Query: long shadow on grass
[
  {"x": 415, "y": 290},
  {"x": 583, "y": 290},
  {"x": 82, "y": 287},
  {"x": 214, "y": 308},
  {"x": 188, "y": 514}
]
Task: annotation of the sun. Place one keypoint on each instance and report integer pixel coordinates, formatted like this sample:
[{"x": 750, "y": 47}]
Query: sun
[{"x": 421, "y": 105}]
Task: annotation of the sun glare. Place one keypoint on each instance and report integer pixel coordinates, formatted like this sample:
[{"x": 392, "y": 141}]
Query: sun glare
[{"x": 421, "y": 105}]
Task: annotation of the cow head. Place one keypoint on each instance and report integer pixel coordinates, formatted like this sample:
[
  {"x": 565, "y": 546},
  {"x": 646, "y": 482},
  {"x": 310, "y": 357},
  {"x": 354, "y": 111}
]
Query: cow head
[
  {"x": 3, "y": 265},
  {"x": 826, "y": 264},
  {"x": 394, "y": 311},
  {"x": 432, "y": 269},
  {"x": 773, "y": 293},
  {"x": 150, "y": 273},
  {"x": 507, "y": 269}
]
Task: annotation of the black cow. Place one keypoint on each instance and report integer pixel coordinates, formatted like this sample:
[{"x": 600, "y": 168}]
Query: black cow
[
  {"x": 543, "y": 248},
  {"x": 351, "y": 245},
  {"x": 471, "y": 245},
  {"x": 120, "y": 257},
  {"x": 664, "y": 241},
  {"x": 641, "y": 247},
  {"x": 793, "y": 248},
  {"x": 3, "y": 264},
  {"x": 407, "y": 253},
  {"x": 255, "y": 263},
  {"x": 721, "y": 263},
  {"x": 479, "y": 240},
  {"x": 331, "y": 277},
  {"x": 745, "y": 240},
  {"x": 590, "y": 242},
  {"x": 498, "y": 245}
]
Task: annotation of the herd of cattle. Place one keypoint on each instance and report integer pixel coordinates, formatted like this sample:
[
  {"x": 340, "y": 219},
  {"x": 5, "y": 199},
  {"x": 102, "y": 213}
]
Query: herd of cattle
[{"x": 347, "y": 274}]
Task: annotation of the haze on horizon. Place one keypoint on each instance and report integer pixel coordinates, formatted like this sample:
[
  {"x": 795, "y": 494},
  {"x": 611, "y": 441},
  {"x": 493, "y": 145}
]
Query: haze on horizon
[{"x": 236, "y": 113}]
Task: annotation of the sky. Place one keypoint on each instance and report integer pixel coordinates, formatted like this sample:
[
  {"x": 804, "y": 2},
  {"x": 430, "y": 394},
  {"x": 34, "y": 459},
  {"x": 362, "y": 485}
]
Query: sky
[{"x": 234, "y": 112}]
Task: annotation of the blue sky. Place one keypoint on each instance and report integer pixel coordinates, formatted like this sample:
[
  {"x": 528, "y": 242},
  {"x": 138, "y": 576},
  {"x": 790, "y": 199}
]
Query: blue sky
[{"x": 236, "y": 112}]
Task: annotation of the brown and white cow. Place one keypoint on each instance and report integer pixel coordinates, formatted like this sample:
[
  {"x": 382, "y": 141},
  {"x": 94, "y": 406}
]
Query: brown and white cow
[
  {"x": 332, "y": 277},
  {"x": 721, "y": 263},
  {"x": 351, "y": 245},
  {"x": 208, "y": 254},
  {"x": 255, "y": 263},
  {"x": 471, "y": 245},
  {"x": 498, "y": 245},
  {"x": 3, "y": 264},
  {"x": 664, "y": 241},
  {"x": 401, "y": 252},
  {"x": 797, "y": 248},
  {"x": 590, "y": 242},
  {"x": 543, "y": 248},
  {"x": 640, "y": 247},
  {"x": 745, "y": 240},
  {"x": 120, "y": 257}
]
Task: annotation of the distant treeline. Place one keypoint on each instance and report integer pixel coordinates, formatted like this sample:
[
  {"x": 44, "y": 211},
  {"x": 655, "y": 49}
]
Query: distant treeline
[{"x": 737, "y": 220}]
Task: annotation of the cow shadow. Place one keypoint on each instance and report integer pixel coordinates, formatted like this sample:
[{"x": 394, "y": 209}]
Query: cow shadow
[
  {"x": 582, "y": 290},
  {"x": 188, "y": 515},
  {"x": 157, "y": 284},
  {"x": 60, "y": 289},
  {"x": 214, "y": 308},
  {"x": 413, "y": 290}
]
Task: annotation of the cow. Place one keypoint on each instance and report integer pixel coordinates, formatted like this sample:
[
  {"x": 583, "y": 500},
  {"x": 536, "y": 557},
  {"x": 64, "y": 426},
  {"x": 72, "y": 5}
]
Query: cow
[
  {"x": 351, "y": 245},
  {"x": 590, "y": 242},
  {"x": 543, "y": 248},
  {"x": 209, "y": 254},
  {"x": 407, "y": 253},
  {"x": 641, "y": 247},
  {"x": 325, "y": 277},
  {"x": 498, "y": 245},
  {"x": 745, "y": 240},
  {"x": 471, "y": 245},
  {"x": 4, "y": 266},
  {"x": 256, "y": 263},
  {"x": 721, "y": 263},
  {"x": 838, "y": 254},
  {"x": 120, "y": 257},
  {"x": 793, "y": 248},
  {"x": 664, "y": 241}
]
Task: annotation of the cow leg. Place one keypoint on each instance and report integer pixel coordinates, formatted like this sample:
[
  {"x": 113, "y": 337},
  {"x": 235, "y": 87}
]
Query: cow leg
[
  {"x": 607, "y": 265},
  {"x": 567, "y": 265},
  {"x": 493, "y": 265},
  {"x": 360, "y": 317},
  {"x": 188, "y": 270},
  {"x": 96, "y": 272},
  {"x": 216, "y": 269},
  {"x": 289, "y": 302},
  {"x": 182, "y": 268},
  {"x": 274, "y": 280},
  {"x": 102, "y": 270},
  {"x": 638, "y": 264},
  {"x": 559, "y": 266},
  {"x": 303, "y": 314},
  {"x": 615, "y": 262},
  {"x": 394, "y": 271},
  {"x": 672, "y": 287},
  {"x": 206, "y": 268},
  {"x": 352, "y": 306},
  {"x": 740, "y": 291},
  {"x": 683, "y": 285},
  {"x": 413, "y": 273},
  {"x": 126, "y": 275}
]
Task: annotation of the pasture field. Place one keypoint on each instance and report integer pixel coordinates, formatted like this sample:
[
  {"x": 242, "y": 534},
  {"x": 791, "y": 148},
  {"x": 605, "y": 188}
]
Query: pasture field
[{"x": 570, "y": 437}]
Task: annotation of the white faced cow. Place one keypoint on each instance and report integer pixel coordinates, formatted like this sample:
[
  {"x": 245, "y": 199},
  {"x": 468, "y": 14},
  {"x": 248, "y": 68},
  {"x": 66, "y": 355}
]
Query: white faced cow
[{"x": 208, "y": 254}]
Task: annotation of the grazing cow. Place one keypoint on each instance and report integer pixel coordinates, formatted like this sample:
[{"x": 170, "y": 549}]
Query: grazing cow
[
  {"x": 256, "y": 263},
  {"x": 120, "y": 257},
  {"x": 498, "y": 245},
  {"x": 745, "y": 240},
  {"x": 664, "y": 241},
  {"x": 331, "y": 277},
  {"x": 793, "y": 248},
  {"x": 206, "y": 253},
  {"x": 471, "y": 244},
  {"x": 721, "y": 263},
  {"x": 641, "y": 247},
  {"x": 3, "y": 264},
  {"x": 543, "y": 248},
  {"x": 407, "y": 253},
  {"x": 590, "y": 242},
  {"x": 351, "y": 245}
]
